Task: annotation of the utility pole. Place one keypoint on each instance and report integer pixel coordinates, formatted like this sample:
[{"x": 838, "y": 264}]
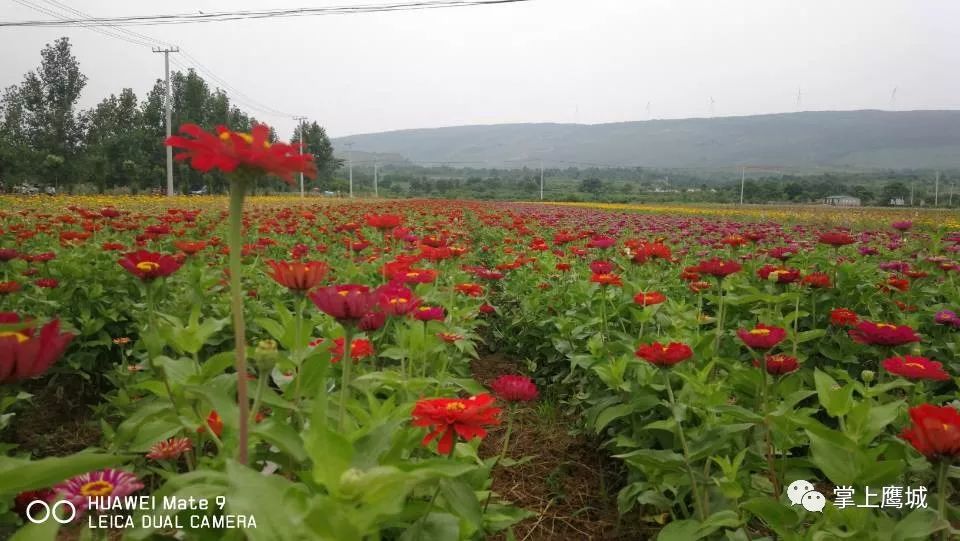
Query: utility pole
[
  {"x": 167, "y": 106},
  {"x": 743, "y": 180},
  {"x": 936, "y": 190},
  {"x": 541, "y": 180},
  {"x": 911, "y": 193},
  {"x": 376, "y": 170},
  {"x": 350, "y": 165},
  {"x": 303, "y": 147}
]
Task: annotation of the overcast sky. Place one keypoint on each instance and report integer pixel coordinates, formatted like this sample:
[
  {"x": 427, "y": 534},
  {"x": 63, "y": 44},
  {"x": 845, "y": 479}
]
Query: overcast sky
[{"x": 586, "y": 61}]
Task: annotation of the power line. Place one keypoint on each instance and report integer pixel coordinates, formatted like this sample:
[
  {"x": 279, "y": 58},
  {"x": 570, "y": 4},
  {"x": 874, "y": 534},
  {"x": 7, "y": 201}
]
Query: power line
[
  {"x": 221, "y": 16},
  {"x": 57, "y": 10}
]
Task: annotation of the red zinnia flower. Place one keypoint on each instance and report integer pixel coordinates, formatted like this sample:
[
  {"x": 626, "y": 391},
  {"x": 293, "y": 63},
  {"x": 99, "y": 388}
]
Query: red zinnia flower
[
  {"x": 231, "y": 151},
  {"x": 649, "y": 298},
  {"x": 778, "y": 364},
  {"x": 449, "y": 337},
  {"x": 169, "y": 449},
  {"x": 836, "y": 238},
  {"x": 515, "y": 388},
  {"x": 935, "y": 432},
  {"x": 606, "y": 279},
  {"x": 449, "y": 417},
  {"x": 360, "y": 348},
  {"x": 718, "y": 267},
  {"x": 397, "y": 300},
  {"x": 346, "y": 303},
  {"x": 298, "y": 276},
  {"x": 149, "y": 265},
  {"x": 882, "y": 334},
  {"x": 469, "y": 289},
  {"x": 487, "y": 308},
  {"x": 7, "y": 254},
  {"x": 912, "y": 367},
  {"x": 383, "y": 221},
  {"x": 664, "y": 355},
  {"x": 601, "y": 267},
  {"x": 601, "y": 241},
  {"x": 429, "y": 313},
  {"x": 762, "y": 336},
  {"x": 816, "y": 280},
  {"x": 372, "y": 321},
  {"x": 9, "y": 287},
  {"x": 24, "y": 354},
  {"x": 47, "y": 283},
  {"x": 781, "y": 275},
  {"x": 214, "y": 422},
  {"x": 190, "y": 247},
  {"x": 843, "y": 317}
]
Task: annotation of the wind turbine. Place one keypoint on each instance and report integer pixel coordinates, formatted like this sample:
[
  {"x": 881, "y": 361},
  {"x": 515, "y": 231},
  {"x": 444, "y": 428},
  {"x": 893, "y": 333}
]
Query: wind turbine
[
  {"x": 799, "y": 99},
  {"x": 893, "y": 98},
  {"x": 712, "y": 103}
]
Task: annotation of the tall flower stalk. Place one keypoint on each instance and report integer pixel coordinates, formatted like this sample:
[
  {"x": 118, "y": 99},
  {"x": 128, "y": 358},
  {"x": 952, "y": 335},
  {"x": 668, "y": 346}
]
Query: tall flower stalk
[
  {"x": 235, "y": 242},
  {"x": 243, "y": 157}
]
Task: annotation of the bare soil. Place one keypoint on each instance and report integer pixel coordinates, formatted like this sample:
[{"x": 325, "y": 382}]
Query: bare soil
[{"x": 566, "y": 480}]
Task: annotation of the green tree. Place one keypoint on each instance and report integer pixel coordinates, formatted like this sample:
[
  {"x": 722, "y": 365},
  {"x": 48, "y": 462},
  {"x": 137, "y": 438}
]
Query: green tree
[
  {"x": 892, "y": 191},
  {"x": 319, "y": 145},
  {"x": 591, "y": 185}
]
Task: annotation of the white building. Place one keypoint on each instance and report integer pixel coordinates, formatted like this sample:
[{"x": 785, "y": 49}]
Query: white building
[{"x": 842, "y": 201}]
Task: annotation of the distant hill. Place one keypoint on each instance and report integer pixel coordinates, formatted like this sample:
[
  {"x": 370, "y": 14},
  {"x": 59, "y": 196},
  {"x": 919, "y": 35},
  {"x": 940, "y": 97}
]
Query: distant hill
[{"x": 830, "y": 139}]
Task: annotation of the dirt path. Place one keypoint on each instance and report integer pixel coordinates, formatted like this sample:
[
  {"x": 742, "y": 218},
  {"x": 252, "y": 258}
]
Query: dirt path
[{"x": 565, "y": 480}]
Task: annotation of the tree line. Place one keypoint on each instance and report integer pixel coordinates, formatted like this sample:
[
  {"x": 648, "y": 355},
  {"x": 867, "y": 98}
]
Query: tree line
[{"x": 45, "y": 140}]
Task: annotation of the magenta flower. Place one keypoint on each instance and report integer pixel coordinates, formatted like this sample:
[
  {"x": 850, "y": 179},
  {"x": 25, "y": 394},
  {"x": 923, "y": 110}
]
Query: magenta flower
[
  {"x": 109, "y": 484},
  {"x": 514, "y": 388},
  {"x": 429, "y": 313}
]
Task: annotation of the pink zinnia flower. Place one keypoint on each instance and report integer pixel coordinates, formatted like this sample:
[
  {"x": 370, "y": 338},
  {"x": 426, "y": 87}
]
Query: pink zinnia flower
[
  {"x": 515, "y": 388},
  {"x": 108, "y": 483}
]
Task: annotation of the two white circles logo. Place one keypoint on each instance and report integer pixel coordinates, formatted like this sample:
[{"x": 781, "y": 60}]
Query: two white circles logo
[
  {"x": 802, "y": 493},
  {"x": 49, "y": 511}
]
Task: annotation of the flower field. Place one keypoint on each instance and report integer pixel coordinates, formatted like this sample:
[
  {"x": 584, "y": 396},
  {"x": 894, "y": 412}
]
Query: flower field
[{"x": 749, "y": 374}]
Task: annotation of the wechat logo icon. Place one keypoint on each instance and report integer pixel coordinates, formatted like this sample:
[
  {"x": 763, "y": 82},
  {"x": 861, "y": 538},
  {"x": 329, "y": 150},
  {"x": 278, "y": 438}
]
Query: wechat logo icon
[{"x": 803, "y": 493}]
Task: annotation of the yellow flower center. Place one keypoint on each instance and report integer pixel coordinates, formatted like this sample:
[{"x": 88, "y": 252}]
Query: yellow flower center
[
  {"x": 456, "y": 406},
  {"x": 148, "y": 266},
  {"x": 760, "y": 332},
  {"x": 18, "y": 336},
  {"x": 914, "y": 365},
  {"x": 97, "y": 488},
  {"x": 396, "y": 300},
  {"x": 413, "y": 274},
  {"x": 344, "y": 293},
  {"x": 225, "y": 136}
]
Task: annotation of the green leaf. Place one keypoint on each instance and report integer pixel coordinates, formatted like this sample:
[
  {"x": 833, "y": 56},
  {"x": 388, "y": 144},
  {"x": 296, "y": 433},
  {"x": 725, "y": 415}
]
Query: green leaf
[
  {"x": 44, "y": 531},
  {"x": 920, "y": 524},
  {"x": 610, "y": 414},
  {"x": 271, "y": 500},
  {"x": 779, "y": 517},
  {"x": 835, "y": 454},
  {"x": 835, "y": 399},
  {"x": 462, "y": 500},
  {"x": 283, "y": 436},
  {"x": 433, "y": 527},
  {"x": 19, "y": 475},
  {"x": 331, "y": 453}
]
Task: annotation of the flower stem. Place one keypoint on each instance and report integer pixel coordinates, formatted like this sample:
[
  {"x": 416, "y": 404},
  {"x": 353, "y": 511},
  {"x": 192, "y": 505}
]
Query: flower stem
[
  {"x": 942, "y": 489},
  {"x": 237, "y": 189},
  {"x": 347, "y": 364},
  {"x": 686, "y": 451},
  {"x": 716, "y": 342}
]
